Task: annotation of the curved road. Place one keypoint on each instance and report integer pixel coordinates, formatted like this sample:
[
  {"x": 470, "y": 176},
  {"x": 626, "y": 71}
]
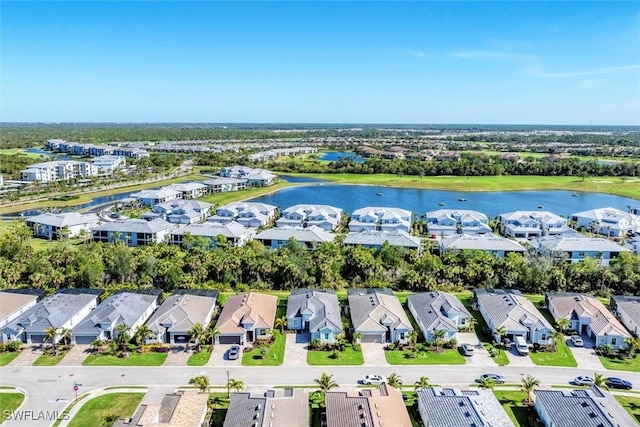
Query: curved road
[{"x": 51, "y": 388}]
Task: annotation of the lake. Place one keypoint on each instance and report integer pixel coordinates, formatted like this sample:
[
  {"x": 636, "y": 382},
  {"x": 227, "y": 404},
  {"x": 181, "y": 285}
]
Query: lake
[{"x": 334, "y": 156}]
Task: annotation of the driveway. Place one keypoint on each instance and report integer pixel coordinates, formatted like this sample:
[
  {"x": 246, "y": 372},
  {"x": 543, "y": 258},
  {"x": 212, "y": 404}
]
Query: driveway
[
  {"x": 76, "y": 356},
  {"x": 27, "y": 356},
  {"x": 515, "y": 359},
  {"x": 219, "y": 356},
  {"x": 481, "y": 356},
  {"x": 373, "y": 354},
  {"x": 585, "y": 356},
  {"x": 295, "y": 351},
  {"x": 177, "y": 356}
]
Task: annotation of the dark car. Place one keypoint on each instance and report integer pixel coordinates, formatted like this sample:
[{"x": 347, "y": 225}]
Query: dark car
[
  {"x": 613, "y": 382},
  {"x": 234, "y": 352},
  {"x": 466, "y": 349}
]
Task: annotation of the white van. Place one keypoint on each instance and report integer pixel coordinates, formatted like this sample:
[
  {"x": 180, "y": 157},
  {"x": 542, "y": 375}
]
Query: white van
[{"x": 521, "y": 345}]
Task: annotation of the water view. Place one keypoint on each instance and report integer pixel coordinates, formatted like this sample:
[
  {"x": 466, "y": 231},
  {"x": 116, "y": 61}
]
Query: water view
[{"x": 334, "y": 156}]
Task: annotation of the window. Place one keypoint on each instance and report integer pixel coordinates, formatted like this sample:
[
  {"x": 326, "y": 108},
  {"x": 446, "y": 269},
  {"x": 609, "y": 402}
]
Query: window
[
  {"x": 326, "y": 335},
  {"x": 614, "y": 341}
]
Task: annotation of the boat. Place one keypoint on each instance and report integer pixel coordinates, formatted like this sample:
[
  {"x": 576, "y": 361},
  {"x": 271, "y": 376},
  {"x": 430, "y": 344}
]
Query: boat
[
  {"x": 442, "y": 204},
  {"x": 540, "y": 207},
  {"x": 574, "y": 195},
  {"x": 462, "y": 199},
  {"x": 379, "y": 194}
]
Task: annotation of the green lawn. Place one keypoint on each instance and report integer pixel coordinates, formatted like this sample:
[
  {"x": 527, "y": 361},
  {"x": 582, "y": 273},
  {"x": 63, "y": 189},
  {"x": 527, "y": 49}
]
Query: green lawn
[
  {"x": 511, "y": 402},
  {"x": 631, "y": 404},
  {"x": 626, "y": 364},
  {"x": 7, "y": 357},
  {"x": 447, "y": 357},
  {"x": 49, "y": 360},
  {"x": 9, "y": 402},
  {"x": 234, "y": 196},
  {"x": 500, "y": 355},
  {"x": 135, "y": 359},
  {"x": 123, "y": 405},
  {"x": 14, "y": 151},
  {"x": 348, "y": 357},
  {"x": 274, "y": 356},
  {"x": 201, "y": 358},
  {"x": 562, "y": 356}
]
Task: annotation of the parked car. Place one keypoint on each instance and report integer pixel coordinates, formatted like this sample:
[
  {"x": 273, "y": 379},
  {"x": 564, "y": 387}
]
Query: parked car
[
  {"x": 498, "y": 379},
  {"x": 466, "y": 350},
  {"x": 374, "y": 379},
  {"x": 577, "y": 341},
  {"x": 583, "y": 380},
  {"x": 613, "y": 382},
  {"x": 234, "y": 352}
]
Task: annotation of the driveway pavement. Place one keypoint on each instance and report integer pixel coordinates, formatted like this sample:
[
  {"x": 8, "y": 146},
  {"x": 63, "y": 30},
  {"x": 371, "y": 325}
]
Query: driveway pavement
[
  {"x": 373, "y": 354},
  {"x": 515, "y": 359},
  {"x": 27, "y": 356},
  {"x": 177, "y": 356},
  {"x": 585, "y": 356},
  {"x": 481, "y": 356},
  {"x": 76, "y": 356},
  {"x": 295, "y": 351},
  {"x": 219, "y": 356}
]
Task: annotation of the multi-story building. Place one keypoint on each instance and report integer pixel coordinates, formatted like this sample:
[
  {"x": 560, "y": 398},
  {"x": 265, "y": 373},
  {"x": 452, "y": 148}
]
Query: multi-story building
[{"x": 61, "y": 169}]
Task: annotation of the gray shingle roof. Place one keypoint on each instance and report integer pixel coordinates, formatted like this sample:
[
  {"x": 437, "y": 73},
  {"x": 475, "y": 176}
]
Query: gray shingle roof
[
  {"x": 182, "y": 311},
  {"x": 603, "y": 322},
  {"x": 127, "y": 307},
  {"x": 284, "y": 407},
  {"x": 308, "y": 234},
  {"x": 630, "y": 305},
  {"x": 376, "y": 237},
  {"x": 323, "y": 305},
  {"x": 507, "y": 307},
  {"x": 578, "y": 243},
  {"x": 370, "y": 309},
  {"x": 431, "y": 309},
  {"x": 482, "y": 242},
  {"x": 135, "y": 226},
  {"x": 213, "y": 229},
  {"x": 64, "y": 219}
]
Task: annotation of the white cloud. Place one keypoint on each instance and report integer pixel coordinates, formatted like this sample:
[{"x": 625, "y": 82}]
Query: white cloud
[{"x": 587, "y": 72}]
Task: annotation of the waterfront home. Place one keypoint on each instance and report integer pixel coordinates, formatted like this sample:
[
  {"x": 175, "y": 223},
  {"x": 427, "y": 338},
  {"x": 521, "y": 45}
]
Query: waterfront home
[
  {"x": 235, "y": 234},
  {"x": 53, "y": 226},
  {"x": 315, "y": 311},
  {"x": 182, "y": 211},
  {"x": 378, "y": 316},
  {"x": 454, "y": 407},
  {"x": 592, "y": 407},
  {"x": 184, "y": 408},
  {"x": 79, "y": 149},
  {"x": 375, "y": 239},
  {"x": 627, "y": 308},
  {"x": 282, "y": 407},
  {"x": 108, "y": 164},
  {"x": 577, "y": 248},
  {"x": 133, "y": 232},
  {"x": 609, "y": 222},
  {"x": 128, "y": 308},
  {"x": 64, "y": 310},
  {"x": 236, "y": 171},
  {"x": 14, "y": 302},
  {"x": 588, "y": 316},
  {"x": 249, "y": 214},
  {"x": 518, "y": 315},
  {"x": 261, "y": 178},
  {"x": 382, "y": 406},
  {"x": 449, "y": 222},
  {"x": 528, "y": 224},
  {"x": 380, "y": 218},
  {"x": 438, "y": 311},
  {"x": 310, "y": 237},
  {"x": 222, "y": 185},
  {"x": 59, "y": 169},
  {"x": 154, "y": 197},
  {"x": 246, "y": 318},
  {"x": 495, "y": 245},
  {"x": 188, "y": 190},
  {"x": 174, "y": 319},
  {"x": 326, "y": 217}
]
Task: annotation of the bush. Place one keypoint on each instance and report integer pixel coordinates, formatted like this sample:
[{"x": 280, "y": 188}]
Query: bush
[
  {"x": 357, "y": 347},
  {"x": 421, "y": 347},
  {"x": 315, "y": 344},
  {"x": 390, "y": 347},
  {"x": 335, "y": 354}
]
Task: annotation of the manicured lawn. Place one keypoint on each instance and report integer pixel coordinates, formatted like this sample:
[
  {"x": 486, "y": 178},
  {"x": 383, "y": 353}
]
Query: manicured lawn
[
  {"x": 511, "y": 402},
  {"x": 631, "y": 404},
  {"x": 233, "y": 196},
  {"x": 9, "y": 402},
  {"x": 7, "y": 357},
  {"x": 500, "y": 355},
  {"x": 201, "y": 358},
  {"x": 347, "y": 357},
  {"x": 447, "y": 357},
  {"x": 274, "y": 356},
  {"x": 123, "y": 405},
  {"x": 135, "y": 359},
  {"x": 632, "y": 365},
  {"x": 49, "y": 360},
  {"x": 562, "y": 356}
]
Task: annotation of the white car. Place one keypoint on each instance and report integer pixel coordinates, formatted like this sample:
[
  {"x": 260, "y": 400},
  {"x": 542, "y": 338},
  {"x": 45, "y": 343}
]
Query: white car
[
  {"x": 577, "y": 341},
  {"x": 374, "y": 379},
  {"x": 584, "y": 380}
]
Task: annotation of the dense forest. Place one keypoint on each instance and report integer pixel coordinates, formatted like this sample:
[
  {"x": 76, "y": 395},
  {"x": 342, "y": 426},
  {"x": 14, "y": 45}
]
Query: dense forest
[{"x": 114, "y": 266}]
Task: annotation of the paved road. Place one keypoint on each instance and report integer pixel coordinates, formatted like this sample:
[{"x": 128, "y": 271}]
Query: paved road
[{"x": 51, "y": 388}]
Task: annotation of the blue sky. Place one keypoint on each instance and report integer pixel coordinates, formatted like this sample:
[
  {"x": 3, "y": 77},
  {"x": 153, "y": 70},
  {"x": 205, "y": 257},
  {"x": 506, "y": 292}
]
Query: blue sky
[{"x": 322, "y": 62}]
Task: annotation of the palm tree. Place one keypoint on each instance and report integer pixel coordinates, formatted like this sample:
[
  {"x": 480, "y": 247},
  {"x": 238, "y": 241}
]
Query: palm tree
[
  {"x": 96, "y": 345},
  {"x": 529, "y": 384},
  {"x": 142, "y": 334},
  {"x": 211, "y": 334},
  {"x": 412, "y": 336},
  {"x": 325, "y": 382},
  {"x": 394, "y": 380},
  {"x": 487, "y": 383},
  {"x": 85, "y": 236},
  {"x": 109, "y": 420},
  {"x": 600, "y": 381},
  {"x": 51, "y": 334},
  {"x": 472, "y": 322},
  {"x": 356, "y": 337},
  {"x": 563, "y": 323},
  {"x": 237, "y": 385},
  {"x": 633, "y": 344},
  {"x": 122, "y": 337},
  {"x": 501, "y": 332},
  {"x": 197, "y": 335},
  {"x": 202, "y": 382},
  {"x": 555, "y": 337},
  {"x": 66, "y": 335},
  {"x": 438, "y": 336},
  {"x": 423, "y": 382},
  {"x": 281, "y": 322}
]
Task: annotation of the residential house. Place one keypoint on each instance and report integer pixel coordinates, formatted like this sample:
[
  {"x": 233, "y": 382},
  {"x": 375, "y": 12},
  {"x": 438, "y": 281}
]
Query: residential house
[
  {"x": 236, "y": 171},
  {"x": 378, "y": 316},
  {"x": 234, "y": 233},
  {"x": 174, "y": 319},
  {"x": 592, "y": 407},
  {"x": 133, "y": 232},
  {"x": 64, "y": 310},
  {"x": 14, "y": 302},
  {"x": 529, "y": 224},
  {"x": 108, "y": 164},
  {"x": 283, "y": 407},
  {"x": 382, "y": 406},
  {"x": 309, "y": 237},
  {"x": 222, "y": 185},
  {"x": 609, "y": 222},
  {"x": 246, "y": 318},
  {"x": 375, "y": 239},
  {"x": 188, "y": 190},
  {"x": 380, "y": 218},
  {"x": 316, "y": 312},
  {"x": 59, "y": 169},
  {"x": 438, "y": 311},
  {"x": 450, "y": 222},
  {"x": 509, "y": 309},
  {"x": 495, "y": 245},
  {"x": 452, "y": 407},
  {"x": 577, "y": 248},
  {"x": 155, "y": 197},
  {"x": 129, "y": 308},
  {"x": 182, "y": 211},
  {"x": 184, "y": 408},
  {"x": 589, "y": 316},
  {"x": 326, "y": 217},
  {"x": 249, "y": 214},
  {"x": 261, "y": 178},
  {"x": 627, "y": 308},
  {"x": 53, "y": 226}
]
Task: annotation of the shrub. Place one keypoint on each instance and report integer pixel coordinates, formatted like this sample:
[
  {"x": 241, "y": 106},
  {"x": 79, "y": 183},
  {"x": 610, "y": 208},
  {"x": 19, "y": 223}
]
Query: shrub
[
  {"x": 357, "y": 347},
  {"x": 315, "y": 344},
  {"x": 391, "y": 346},
  {"x": 335, "y": 354}
]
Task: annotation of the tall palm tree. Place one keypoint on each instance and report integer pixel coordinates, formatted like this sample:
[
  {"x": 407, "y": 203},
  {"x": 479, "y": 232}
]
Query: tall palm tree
[
  {"x": 237, "y": 385},
  {"x": 394, "y": 380},
  {"x": 563, "y": 323},
  {"x": 211, "y": 335},
  {"x": 438, "y": 336},
  {"x": 487, "y": 383},
  {"x": 423, "y": 382},
  {"x": 528, "y": 384},
  {"x": 325, "y": 382},
  {"x": 51, "y": 334},
  {"x": 142, "y": 334},
  {"x": 356, "y": 337},
  {"x": 633, "y": 343},
  {"x": 66, "y": 335},
  {"x": 197, "y": 335},
  {"x": 600, "y": 381},
  {"x": 472, "y": 322},
  {"x": 202, "y": 382},
  {"x": 412, "y": 337},
  {"x": 122, "y": 336},
  {"x": 501, "y": 332},
  {"x": 281, "y": 322}
]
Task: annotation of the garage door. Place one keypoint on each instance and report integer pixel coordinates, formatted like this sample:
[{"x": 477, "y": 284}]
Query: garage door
[
  {"x": 84, "y": 339},
  {"x": 38, "y": 339},
  {"x": 180, "y": 339},
  {"x": 371, "y": 338},
  {"x": 234, "y": 339}
]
